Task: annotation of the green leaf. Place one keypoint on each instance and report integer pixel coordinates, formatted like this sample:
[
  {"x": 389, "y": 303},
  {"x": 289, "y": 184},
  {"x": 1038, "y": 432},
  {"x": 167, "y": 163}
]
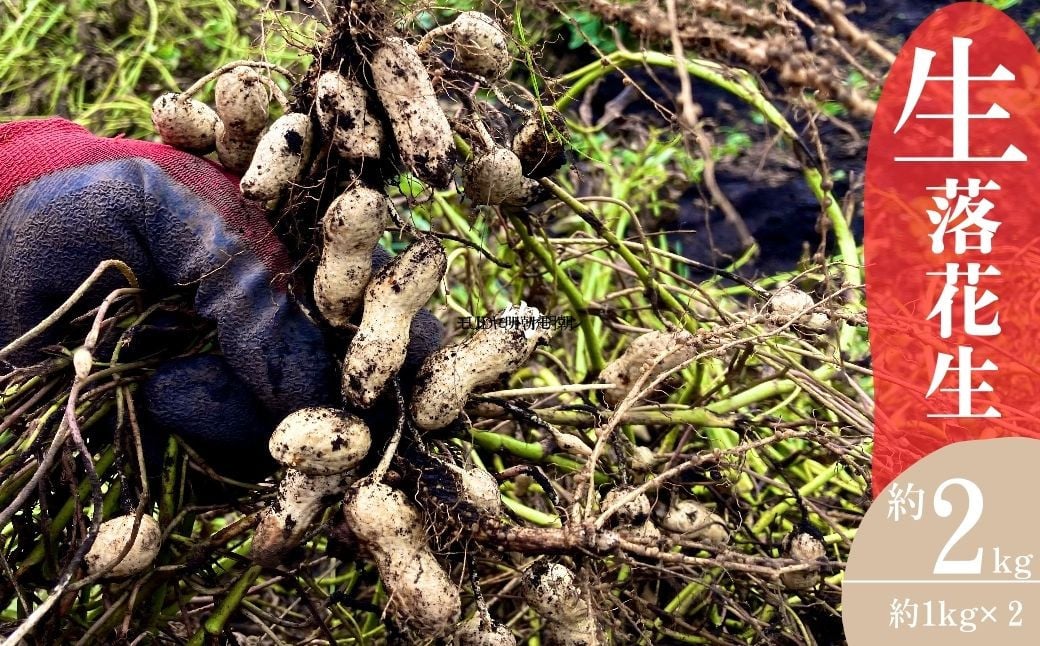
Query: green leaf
[{"x": 586, "y": 27}]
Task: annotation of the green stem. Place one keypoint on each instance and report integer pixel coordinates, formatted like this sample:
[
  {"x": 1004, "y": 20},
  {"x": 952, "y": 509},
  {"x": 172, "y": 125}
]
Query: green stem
[
  {"x": 805, "y": 490},
  {"x": 531, "y": 515},
  {"x": 168, "y": 495},
  {"x": 569, "y": 289},
  {"x": 531, "y": 451},
  {"x": 700, "y": 417},
  {"x": 651, "y": 285},
  {"x": 742, "y": 85},
  {"x": 214, "y": 624},
  {"x": 64, "y": 515}
]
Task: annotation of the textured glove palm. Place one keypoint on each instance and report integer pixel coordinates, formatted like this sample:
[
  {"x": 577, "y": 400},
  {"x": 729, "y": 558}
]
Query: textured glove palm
[{"x": 70, "y": 200}]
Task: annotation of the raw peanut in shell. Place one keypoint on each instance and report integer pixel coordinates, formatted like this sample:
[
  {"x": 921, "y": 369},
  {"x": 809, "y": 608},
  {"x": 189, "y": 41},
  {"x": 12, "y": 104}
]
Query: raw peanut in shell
[
  {"x": 540, "y": 144},
  {"x": 634, "y": 512},
  {"x": 480, "y": 488},
  {"x": 422, "y": 595},
  {"x": 695, "y": 521},
  {"x": 344, "y": 114},
  {"x": 550, "y": 590},
  {"x": 280, "y": 157},
  {"x": 494, "y": 178},
  {"x": 185, "y": 123},
  {"x": 635, "y": 360},
  {"x": 320, "y": 441},
  {"x": 392, "y": 298},
  {"x": 450, "y": 374},
  {"x": 111, "y": 540},
  {"x": 351, "y": 230},
  {"x": 789, "y": 301},
  {"x": 373, "y": 509},
  {"x": 82, "y": 362},
  {"x": 242, "y": 102},
  {"x": 817, "y": 322},
  {"x": 480, "y": 45},
  {"x": 643, "y": 459},
  {"x": 234, "y": 154},
  {"x": 804, "y": 546},
  {"x": 633, "y": 518},
  {"x": 421, "y": 130},
  {"x": 480, "y": 630},
  {"x": 283, "y": 524}
]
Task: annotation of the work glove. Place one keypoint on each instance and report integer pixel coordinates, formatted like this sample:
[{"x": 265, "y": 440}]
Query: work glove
[{"x": 70, "y": 200}]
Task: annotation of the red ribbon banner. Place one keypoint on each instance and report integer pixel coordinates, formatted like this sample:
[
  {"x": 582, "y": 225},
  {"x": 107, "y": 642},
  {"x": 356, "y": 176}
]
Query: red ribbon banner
[{"x": 951, "y": 244}]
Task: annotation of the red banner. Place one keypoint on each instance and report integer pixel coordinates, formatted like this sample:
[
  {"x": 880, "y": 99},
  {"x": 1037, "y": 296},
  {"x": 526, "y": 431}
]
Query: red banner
[{"x": 951, "y": 243}]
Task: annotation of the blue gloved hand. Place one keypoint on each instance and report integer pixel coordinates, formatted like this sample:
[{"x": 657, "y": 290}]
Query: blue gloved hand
[{"x": 70, "y": 200}]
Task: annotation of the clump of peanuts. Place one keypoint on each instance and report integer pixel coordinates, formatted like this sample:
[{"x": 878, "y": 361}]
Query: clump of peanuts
[{"x": 389, "y": 111}]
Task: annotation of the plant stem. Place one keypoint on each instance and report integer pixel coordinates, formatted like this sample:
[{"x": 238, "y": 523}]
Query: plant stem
[
  {"x": 742, "y": 85},
  {"x": 214, "y": 624},
  {"x": 569, "y": 289}
]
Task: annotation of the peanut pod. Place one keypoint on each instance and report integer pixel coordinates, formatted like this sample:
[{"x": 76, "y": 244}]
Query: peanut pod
[
  {"x": 392, "y": 298},
  {"x": 540, "y": 143},
  {"x": 284, "y": 523},
  {"x": 550, "y": 590},
  {"x": 242, "y": 102},
  {"x": 496, "y": 177},
  {"x": 234, "y": 154},
  {"x": 345, "y": 116},
  {"x": 320, "y": 441},
  {"x": 808, "y": 547},
  {"x": 351, "y": 230},
  {"x": 624, "y": 371},
  {"x": 480, "y": 489},
  {"x": 480, "y": 45},
  {"x": 450, "y": 374},
  {"x": 421, "y": 130},
  {"x": 280, "y": 157},
  {"x": 184, "y": 123},
  {"x": 480, "y": 630},
  {"x": 112, "y": 538},
  {"x": 695, "y": 521},
  {"x": 422, "y": 595},
  {"x": 633, "y": 512}
]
